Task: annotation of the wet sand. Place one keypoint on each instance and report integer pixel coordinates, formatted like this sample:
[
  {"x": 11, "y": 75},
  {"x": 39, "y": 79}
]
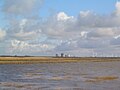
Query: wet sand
[{"x": 61, "y": 76}]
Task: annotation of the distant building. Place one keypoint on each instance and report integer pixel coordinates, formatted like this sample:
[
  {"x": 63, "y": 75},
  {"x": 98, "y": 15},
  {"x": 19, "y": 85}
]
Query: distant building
[
  {"x": 57, "y": 55},
  {"x": 67, "y": 55},
  {"x": 62, "y": 54}
]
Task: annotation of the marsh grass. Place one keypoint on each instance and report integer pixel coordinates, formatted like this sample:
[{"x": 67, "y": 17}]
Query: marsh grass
[
  {"x": 101, "y": 78},
  {"x": 57, "y": 78},
  {"x": 32, "y": 60},
  {"x": 17, "y": 85}
]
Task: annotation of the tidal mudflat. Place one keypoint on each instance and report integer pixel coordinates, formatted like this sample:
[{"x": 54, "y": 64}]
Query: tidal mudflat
[{"x": 61, "y": 76}]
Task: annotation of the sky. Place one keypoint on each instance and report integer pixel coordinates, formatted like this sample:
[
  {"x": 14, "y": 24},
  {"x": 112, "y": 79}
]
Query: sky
[{"x": 46, "y": 27}]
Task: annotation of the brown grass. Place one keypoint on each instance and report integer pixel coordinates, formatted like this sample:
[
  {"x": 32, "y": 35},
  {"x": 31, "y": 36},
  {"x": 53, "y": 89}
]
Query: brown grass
[
  {"x": 16, "y": 85},
  {"x": 101, "y": 78},
  {"x": 32, "y": 60},
  {"x": 60, "y": 78}
]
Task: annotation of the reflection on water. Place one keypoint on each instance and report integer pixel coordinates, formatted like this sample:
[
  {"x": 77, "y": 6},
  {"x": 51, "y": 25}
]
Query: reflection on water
[{"x": 61, "y": 76}]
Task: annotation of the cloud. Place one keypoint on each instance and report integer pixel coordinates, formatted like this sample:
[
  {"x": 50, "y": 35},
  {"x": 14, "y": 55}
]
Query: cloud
[
  {"x": 26, "y": 35},
  {"x": 92, "y": 44},
  {"x": 22, "y": 47},
  {"x": 66, "y": 46},
  {"x": 100, "y": 33},
  {"x": 60, "y": 32},
  {"x": 115, "y": 41},
  {"x": 60, "y": 28},
  {"x": 63, "y": 17},
  {"x": 118, "y": 8},
  {"x": 21, "y": 7},
  {"x": 24, "y": 29},
  {"x": 2, "y": 34},
  {"x": 84, "y": 14}
]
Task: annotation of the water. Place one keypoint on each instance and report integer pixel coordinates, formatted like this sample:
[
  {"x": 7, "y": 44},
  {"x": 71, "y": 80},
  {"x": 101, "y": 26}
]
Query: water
[{"x": 61, "y": 76}]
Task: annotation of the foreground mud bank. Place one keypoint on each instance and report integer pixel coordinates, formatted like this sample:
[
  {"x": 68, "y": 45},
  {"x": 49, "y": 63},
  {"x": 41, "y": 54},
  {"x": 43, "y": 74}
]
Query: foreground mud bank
[{"x": 32, "y": 60}]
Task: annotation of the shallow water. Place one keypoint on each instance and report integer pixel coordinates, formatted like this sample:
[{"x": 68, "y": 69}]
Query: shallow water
[{"x": 61, "y": 76}]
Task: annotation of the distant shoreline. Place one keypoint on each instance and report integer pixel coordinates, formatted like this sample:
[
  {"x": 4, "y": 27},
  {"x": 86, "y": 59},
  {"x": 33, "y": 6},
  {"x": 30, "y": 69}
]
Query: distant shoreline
[{"x": 37, "y": 60}]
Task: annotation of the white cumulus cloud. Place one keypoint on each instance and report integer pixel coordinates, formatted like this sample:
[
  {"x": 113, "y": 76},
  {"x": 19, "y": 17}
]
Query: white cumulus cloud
[{"x": 63, "y": 16}]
